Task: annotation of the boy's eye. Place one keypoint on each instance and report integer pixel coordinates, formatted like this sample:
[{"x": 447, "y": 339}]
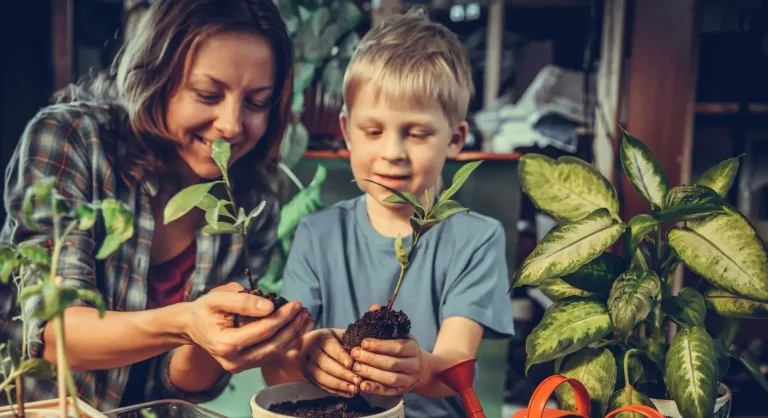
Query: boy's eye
[
  {"x": 418, "y": 134},
  {"x": 373, "y": 132}
]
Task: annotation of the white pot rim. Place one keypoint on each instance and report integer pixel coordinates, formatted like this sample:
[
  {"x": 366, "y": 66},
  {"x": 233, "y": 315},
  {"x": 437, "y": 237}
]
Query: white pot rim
[{"x": 719, "y": 401}]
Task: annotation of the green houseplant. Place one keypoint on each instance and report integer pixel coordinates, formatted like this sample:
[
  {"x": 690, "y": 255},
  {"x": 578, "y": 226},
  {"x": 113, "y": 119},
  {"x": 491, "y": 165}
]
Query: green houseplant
[
  {"x": 33, "y": 270},
  {"x": 607, "y": 326}
]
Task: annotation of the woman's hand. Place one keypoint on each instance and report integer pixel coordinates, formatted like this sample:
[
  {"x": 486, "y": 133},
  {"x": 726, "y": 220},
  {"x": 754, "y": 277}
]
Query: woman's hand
[
  {"x": 388, "y": 367},
  {"x": 210, "y": 322},
  {"x": 327, "y": 365}
]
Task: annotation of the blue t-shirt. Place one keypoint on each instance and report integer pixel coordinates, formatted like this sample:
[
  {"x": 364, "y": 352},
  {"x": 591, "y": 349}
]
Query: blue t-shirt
[{"x": 339, "y": 265}]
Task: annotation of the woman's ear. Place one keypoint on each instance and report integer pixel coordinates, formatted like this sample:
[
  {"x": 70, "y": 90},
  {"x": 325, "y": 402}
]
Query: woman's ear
[{"x": 458, "y": 138}]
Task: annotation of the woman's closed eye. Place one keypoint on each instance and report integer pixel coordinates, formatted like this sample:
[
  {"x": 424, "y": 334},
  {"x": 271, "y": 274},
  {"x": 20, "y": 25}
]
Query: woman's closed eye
[{"x": 208, "y": 97}]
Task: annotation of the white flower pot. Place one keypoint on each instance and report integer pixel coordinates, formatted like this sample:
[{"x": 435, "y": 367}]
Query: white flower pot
[
  {"x": 722, "y": 405},
  {"x": 50, "y": 409},
  {"x": 299, "y": 391}
]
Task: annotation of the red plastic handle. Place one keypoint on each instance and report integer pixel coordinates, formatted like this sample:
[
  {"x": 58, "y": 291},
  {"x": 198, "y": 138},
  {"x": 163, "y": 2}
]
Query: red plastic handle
[
  {"x": 643, "y": 410},
  {"x": 543, "y": 392}
]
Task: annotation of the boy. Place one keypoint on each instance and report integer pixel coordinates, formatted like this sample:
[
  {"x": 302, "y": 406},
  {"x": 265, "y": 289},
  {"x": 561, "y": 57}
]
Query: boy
[{"x": 406, "y": 90}]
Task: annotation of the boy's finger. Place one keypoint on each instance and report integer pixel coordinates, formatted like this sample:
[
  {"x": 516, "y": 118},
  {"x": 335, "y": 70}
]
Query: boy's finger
[
  {"x": 383, "y": 362},
  {"x": 333, "y": 368},
  {"x": 374, "y": 307},
  {"x": 378, "y": 389},
  {"x": 394, "y": 348},
  {"x": 336, "y": 351},
  {"x": 383, "y": 377},
  {"x": 327, "y": 382}
]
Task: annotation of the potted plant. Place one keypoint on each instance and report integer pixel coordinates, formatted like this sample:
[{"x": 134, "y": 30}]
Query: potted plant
[
  {"x": 608, "y": 325},
  {"x": 33, "y": 269}
]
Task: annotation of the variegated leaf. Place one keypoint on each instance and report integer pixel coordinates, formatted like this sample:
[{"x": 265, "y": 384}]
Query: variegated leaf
[
  {"x": 731, "y": 306},
  {"x": 725, "y": 249},
  {"x": 631, "y": 298},
  {"x": 643, "y": 170},
  {"x": 720, "y": 177},
  {"x": 567, "y": 188},
  {"x": 626, "y": 396},
  {"x": 723, "y": 359},
  {"x": 567, "y": 247},
  {"x": 637, "y": 229},
  {"x": 691, "y": 372},
  {"x": 567, "y": 326},
  {"x": 753, "y": 370},
  {"x": 687, "y": 308},
  {"x": 557, "y": 289},
  {"x": 689, "y": 201},
  {"x": 596, "y": 369},
  {"x": 598, "y": 275}
]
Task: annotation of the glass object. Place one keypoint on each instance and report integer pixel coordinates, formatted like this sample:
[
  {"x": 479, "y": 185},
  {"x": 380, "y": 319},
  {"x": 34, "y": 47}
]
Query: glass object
[{"x": 170, "y": 408}]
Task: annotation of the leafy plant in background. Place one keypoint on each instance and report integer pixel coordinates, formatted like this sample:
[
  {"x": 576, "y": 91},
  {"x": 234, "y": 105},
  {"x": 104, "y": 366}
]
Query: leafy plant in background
[
  {"x": 323, "y": 40},
  {"x": 607, "y": 326},
  {"x": 33, "y": 269}
]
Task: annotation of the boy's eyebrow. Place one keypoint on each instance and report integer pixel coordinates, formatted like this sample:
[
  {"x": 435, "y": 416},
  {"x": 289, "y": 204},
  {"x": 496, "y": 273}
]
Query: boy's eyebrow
[{"x": 220, "y": 84}]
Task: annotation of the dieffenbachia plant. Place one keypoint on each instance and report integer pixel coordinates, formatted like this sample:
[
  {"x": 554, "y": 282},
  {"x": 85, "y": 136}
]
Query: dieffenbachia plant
[
  {"x": 33, "y": 268},
  {"x": 607, "y": 325},
  {"x": 197, "y": 195},
  {"x": 425, "y": 216}
]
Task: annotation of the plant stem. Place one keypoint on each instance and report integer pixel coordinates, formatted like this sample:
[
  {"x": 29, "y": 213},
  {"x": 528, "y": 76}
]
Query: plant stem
[
  {"x": 658, "y": 249},
  {"x": 729, "y": 331},
  {"x": 402, "y": 271},
  {"x": 626, "y": 366},
  {"x": 20, "y": 395},
  {"x": 244, "y": 234}
]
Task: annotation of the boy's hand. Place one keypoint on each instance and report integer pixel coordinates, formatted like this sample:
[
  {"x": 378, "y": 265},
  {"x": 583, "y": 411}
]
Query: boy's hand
[
  {"x": 327, "y": 365},
  {"x": 388, "y": 367}
]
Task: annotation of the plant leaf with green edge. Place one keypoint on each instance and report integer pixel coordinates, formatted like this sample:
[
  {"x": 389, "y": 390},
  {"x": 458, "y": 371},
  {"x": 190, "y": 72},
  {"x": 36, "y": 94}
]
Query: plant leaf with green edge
[
  {"x": 723, "y": 359},
  {"x": 729, "y": 305},
  {"x": 219, "y": 229},
  {"x": 689, "y": 201},
  {"x": 637, "y": 229},
  {"x": 73, "y": 294},
  {"x": 567, "y": 247},
  {"x": 687, "y": 308},
  {"x": 596, "y": 370},
  {"x": 212, "y": 216},
  {"x": 207, "y": 203},
  {"x": 183, "y": 201},
  {"x": 86, "y": 216},
  {"x": 557, "y": 289},
  {"x": 423, "y": 225},
  {"x": 349, "y": 15},
  {"x": 296, "y": 137},
  {"x": 402, "y": 255},
  {"x": 643, "y": 170},
  {"x": 598, "y": 275},
  {"x": 567, "y": 188},
  {"x": 446, "y": 209},
  {"x": 691, "y": 372},
  {"x": 8, "y": 263},
  {"x": 51, "y": 296},
  {"x": 306, "y": 201},
  {"x": 636, "y": 367},
  {"x": 567, "y": 326},
  {"x": 221, "y": 152},
  {"x": 333, "y": 77},
  {"x": 109, "y": 246},
  {"x": 753, "y": 370},
  {"x": 724, "y": 249},
  {"x": 35, "y": 253},
  {"x": 59, "y": 205},
  {"x": 254, "y": 213},
  {"x": 720, "y": 177},
  {"x": 630, "y": 300},
  {"x": 406, "y": 198},
  {"x": 640, "y": 259},
  {"x": 38, "y": 368},
  {"x": 461, "y": 176},
  {"x": 626, "y": 396},
  {"x": 117, "y": 219}
]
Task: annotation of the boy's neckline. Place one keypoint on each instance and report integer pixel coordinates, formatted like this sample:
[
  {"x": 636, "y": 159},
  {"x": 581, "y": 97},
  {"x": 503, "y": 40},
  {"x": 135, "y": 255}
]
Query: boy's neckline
[{"x": 366, "y": 225}]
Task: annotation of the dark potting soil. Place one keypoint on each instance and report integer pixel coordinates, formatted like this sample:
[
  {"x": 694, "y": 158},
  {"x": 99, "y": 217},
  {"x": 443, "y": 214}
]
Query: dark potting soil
[
  {"x": 278, "y": 301},
  {"x": 382, "y": 324},
  {"x": 327, "y": 407}
]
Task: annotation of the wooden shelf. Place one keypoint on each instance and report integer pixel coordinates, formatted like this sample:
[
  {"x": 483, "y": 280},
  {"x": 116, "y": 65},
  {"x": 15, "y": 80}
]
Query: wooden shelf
[
  {"x": 343, "y": 154},
  {"x": 728, "y": 108}
]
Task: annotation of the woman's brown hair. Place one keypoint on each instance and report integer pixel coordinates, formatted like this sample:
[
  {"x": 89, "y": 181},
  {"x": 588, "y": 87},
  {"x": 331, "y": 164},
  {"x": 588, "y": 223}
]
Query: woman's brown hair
[{"x": 150, "y": 67}]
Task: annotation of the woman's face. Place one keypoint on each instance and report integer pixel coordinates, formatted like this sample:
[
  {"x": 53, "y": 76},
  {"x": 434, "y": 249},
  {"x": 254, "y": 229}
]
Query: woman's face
[{"x": 226, "y": 92}]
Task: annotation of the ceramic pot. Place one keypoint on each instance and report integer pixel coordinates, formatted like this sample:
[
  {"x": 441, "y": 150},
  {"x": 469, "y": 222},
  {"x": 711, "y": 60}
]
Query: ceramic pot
[
  {"x": 722, "y": 405},
  {"x": 299, "y": 391}
]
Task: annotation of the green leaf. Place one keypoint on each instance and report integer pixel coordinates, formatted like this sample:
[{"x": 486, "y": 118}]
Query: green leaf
[
  {"x": 596, "y": 370},
  {"x": 109, "y": 246},
  {"x": 8, "y": 263},
  {"x": 185, "y": 200},
  {"x": 348, "y": 16},
  {"x": 31, "y": 290},
  {"x": 306, "y": 201},
  {"x": 51, "y": 296},
  {"x": 446, "y": 209},
  {"x": 567, "y": 189},
  {"x": 423, "y": 225},
  {"x": 212, "y": 216},
  {"x": 221, "y": 152},
  {"x": 688, "y": 202},
  {"x": 461, "y": 176},
  {"x": 557, "y": 289},
  {"x": 333, "y": 78},
  {"x": 86, "y": 216},
  {"x": 637, "y": 229},
  {"x": 720, "y": 177},
  {"x": 347, "y": 46},
  {"x": 630, "y": 300},
  {"x": 731, "y": 306},
  {"x": 405, "y": 198},
  {"x": 38, "y": 368},
  {"x": 86, "y": 296},
  {"x": 599, "y": 274},
  {"x": 318, "y": 20},
  {"x": 753, "y": 369},
  {"x": 643, "y": 170},
  {"x": 724, "y": 249},
  {"x": 723, "y": 359},
  {"x": 635, "y": 368},
  {"x": 255, "y": 212},
  {"x": 687, "y": 308},
  {"x": 220, "y": 228},
  {"x": 626, "y": 396},
  {"x": 15, "y": 354},
  {"x": 117, "y": 219},
  {"x": 35, "y": 254},
  {"x": 567, "y": 247},
  {"x": 567, "y": 326},
  {"x": 208, "y": 202},
  {"x": 691, "y": 372},
  {"x": 402, "y": 256}
]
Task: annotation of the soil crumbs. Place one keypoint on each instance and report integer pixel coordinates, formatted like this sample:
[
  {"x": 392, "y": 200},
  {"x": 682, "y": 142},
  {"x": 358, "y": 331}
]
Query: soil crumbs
[
  {"x": 278, "y": 301},
  {"x": 382, "y": 324},
  {"x": 328, "y": 407}
]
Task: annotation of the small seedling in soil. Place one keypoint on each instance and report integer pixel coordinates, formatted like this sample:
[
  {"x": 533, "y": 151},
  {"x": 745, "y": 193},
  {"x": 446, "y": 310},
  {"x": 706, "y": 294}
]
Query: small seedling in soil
[{"x": 235, "y": 220}]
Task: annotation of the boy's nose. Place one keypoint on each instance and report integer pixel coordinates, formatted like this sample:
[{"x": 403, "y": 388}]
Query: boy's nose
[{"x": 393, "y": 148}]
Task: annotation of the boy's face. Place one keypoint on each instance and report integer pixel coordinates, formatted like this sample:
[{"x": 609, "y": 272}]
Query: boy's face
[{"x": 400, "y": 145}]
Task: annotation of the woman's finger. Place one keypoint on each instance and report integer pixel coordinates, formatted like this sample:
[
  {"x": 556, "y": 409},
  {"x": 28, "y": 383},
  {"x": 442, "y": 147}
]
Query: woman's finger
[
  {"x": 263, "y": 329},
  {"x": 328, "y": 383},
  {"x": 378, "y": 389},
  {"x": 332, "y": 367},
  {"x": 388, "y": 363}
]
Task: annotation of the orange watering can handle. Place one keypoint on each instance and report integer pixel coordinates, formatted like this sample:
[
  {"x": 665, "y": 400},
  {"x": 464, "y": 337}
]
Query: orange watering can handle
[
  {"x": 544, "y": 391},
  {"x": 643, "y": 410}
]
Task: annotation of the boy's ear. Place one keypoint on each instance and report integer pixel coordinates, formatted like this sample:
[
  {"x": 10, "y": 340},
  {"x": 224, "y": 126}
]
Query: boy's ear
[
  {"x": 344, "y": 123},
  {"x": 458, "y": 139}
]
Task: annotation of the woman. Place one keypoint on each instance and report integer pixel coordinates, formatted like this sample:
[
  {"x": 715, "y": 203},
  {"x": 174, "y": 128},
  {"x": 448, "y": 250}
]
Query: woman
[{"x": 195, "y": 71}]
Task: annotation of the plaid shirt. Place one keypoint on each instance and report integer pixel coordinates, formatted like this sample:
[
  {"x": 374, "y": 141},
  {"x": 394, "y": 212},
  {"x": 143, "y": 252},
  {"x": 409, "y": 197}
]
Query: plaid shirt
[{"x": 73, "y": 143}]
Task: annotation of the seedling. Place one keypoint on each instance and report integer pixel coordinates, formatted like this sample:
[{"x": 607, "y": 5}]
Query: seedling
[{"x": 33, "y": 269}]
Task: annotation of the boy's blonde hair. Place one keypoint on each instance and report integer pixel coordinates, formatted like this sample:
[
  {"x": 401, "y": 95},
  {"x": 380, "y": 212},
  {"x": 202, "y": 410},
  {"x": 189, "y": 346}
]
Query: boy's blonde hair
[{"x": 410, "y": 58}]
